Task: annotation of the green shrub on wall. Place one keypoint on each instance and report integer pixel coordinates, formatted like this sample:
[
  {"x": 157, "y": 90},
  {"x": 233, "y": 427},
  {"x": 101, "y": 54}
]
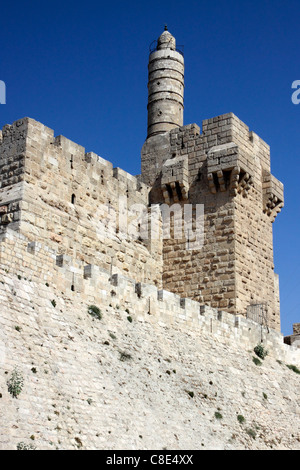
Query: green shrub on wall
[{"x": 15, "y": 383}]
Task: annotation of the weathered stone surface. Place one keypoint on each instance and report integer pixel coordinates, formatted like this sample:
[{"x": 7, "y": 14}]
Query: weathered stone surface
[
  {"x": 181, "y": 310},
  {"x": 165, "y": 86},
  {"x": 115, "y": 384},
  {"x": 226, "y": 168}
]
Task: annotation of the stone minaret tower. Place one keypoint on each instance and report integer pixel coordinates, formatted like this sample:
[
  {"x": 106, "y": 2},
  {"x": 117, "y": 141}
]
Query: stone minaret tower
[
  {"x": 165, "y": 86},
  {"x": 225, "y": 168}
]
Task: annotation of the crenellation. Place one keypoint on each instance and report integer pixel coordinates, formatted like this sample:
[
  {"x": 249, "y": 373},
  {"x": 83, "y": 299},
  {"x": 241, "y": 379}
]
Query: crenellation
[
  {"x": 72, "y": 184},
  {"x": 64, "y": 273},
  {"x": 131, "y": 182},
  {"x": 67, "y": 146}
]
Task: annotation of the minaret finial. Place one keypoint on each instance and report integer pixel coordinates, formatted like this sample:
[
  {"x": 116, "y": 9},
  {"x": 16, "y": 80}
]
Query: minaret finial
[{"x": 165, "y": 86}]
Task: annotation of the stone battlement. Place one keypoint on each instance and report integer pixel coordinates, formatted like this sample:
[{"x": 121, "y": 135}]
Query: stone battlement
[
  {"x": 40, "y": 264},
  {"x": 54, "y": 192},
  {"x": 28, "y": 134},
  {"x": 227, "y": 169}
]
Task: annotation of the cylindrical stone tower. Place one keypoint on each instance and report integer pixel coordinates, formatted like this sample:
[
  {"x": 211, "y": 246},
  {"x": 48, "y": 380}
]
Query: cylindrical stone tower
[{"x": 165, "y": 86}]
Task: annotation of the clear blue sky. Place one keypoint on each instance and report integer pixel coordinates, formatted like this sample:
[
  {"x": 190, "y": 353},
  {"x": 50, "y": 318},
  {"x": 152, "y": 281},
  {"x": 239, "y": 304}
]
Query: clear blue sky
[{"x": 81, "y": 69}]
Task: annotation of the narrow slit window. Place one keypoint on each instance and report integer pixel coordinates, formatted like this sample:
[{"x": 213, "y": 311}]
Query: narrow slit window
[{"x": 73, "y": 199}]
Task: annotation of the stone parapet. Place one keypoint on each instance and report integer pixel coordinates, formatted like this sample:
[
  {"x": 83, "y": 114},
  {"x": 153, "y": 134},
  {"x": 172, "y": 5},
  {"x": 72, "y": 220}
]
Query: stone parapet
[
  {"x": 40, "y": 264},
  {"x": 294, "y": 339}
]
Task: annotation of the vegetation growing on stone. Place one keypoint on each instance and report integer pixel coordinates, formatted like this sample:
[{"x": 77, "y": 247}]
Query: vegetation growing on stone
[
  {"x": 124, "y": 356},
  {"x": 241, "y": 419},
  {"x": 95, "y": 312},
  {"x": 260, "y": 351},
  {"x": 251, "y": 433},
  {"x": 293, "y": 368},
  {"x": 256, "y": 361},
  {"x": 15, "y": 383},
  {"x": 23, "y": 446}
]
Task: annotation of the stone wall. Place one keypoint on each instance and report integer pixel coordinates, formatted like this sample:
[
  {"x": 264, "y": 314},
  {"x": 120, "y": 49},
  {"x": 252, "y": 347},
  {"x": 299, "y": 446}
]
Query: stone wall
[
  {"x": 12, "y": 169},
  {"x": 36, "y": 262},
  {"x": 150, "y": 374},
  {"x": 75, "y": 202},
  {"x": 294, "y": 339},
  {"x": 226, "y": 168}
]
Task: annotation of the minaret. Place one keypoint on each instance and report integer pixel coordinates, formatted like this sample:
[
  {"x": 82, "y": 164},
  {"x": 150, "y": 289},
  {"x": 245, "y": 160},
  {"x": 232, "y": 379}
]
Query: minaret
[{"x": 165, "y": 86}]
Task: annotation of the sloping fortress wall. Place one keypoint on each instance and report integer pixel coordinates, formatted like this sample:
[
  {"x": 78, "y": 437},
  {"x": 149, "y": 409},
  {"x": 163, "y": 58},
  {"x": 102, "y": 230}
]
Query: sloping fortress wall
[
  {"x": 152, "y": 373},
  {"x": 35, "y": 262}
]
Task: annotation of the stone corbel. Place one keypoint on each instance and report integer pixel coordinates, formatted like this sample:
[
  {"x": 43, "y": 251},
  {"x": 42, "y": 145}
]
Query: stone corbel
[
  {"x": 273, "y": 199},
  {"x": 174, "y": 180},
  {"x": 228, "y": 169}
]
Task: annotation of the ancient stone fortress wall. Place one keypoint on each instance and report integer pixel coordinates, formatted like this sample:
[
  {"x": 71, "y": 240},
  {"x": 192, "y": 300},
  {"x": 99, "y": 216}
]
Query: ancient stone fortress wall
[
  {"x": 156, "y": 371},
  {"x": 54, "y": 192},
  {"x": 75, "y": 202},
  {"x": 37, "y": 263},
  {"x": 226, "y": 168}
]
